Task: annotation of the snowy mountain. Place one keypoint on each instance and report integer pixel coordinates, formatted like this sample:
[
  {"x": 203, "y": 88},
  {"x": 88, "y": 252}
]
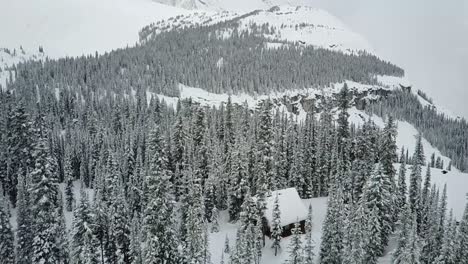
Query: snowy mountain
[
  {"x": 9, "y": 58},
  {"x": 78, "y": 27},
  {"x": 227, "y": 5},
  {"x": 174, "y": 161},
  {"x": 298, "y": 24}
]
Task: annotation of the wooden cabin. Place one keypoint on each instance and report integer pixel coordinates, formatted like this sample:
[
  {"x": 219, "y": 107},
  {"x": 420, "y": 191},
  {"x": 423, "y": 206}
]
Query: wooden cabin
[{"x": 292, "y": 210}]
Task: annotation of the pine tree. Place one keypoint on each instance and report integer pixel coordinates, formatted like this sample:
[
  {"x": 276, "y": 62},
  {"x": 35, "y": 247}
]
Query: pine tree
[
  {"x": 405, "y": 225},
  {"x": 25, "y": 223},
  {"x": 45, "y": 200},
  {"x": 69, "y": 198},
  {"x": 158, "y": 219},
  {"x": 462, "y": 238},
  {"x": 195, "y": 242},
  {"x": 83, "y": 241},
  {"x": 411, "y": 254},
  {"x": 120, "y": 221},
  {"x": 331, "y": 246},
  {"x": 214, "y": 220},
  {"x": 135, "y": 241},
  {"x": 308, "y": 255},
  {"x": 266, "y": 178},
  {"x": 7, "y": 250},
  {"x": 448, "y": 248},
  {"x": 414, "y": 194},
  {"x": 379, "y": 200},
  {"x": 276, "y": 228},
  {"x": 402, "y": 189},
  {"x": 295, "y": 246}
]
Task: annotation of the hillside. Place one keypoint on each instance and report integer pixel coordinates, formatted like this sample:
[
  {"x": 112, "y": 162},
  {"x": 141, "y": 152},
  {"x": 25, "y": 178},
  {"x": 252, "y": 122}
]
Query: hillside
[{"x": 159, "y": 129}]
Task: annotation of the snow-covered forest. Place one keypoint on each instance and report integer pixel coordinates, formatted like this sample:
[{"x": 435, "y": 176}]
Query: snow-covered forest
[{"x": 96, "y": 167}]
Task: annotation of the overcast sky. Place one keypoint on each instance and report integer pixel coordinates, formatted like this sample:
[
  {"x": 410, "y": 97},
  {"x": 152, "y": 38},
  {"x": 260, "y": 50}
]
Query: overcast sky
[{"x": 428, "y": 38}]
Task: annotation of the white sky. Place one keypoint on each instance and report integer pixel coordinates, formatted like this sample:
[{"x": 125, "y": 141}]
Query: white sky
[{"x": 428, "y": 38}]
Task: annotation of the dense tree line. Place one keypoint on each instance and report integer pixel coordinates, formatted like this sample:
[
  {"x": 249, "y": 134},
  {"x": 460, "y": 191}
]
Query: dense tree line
[
  {"x": 160, "y": 174},
  {"x": 198, "y": 57},
  {"x": 447, "y": 134}
]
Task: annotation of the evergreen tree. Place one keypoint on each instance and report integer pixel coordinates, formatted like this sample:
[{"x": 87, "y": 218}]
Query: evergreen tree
[
  {"x": 411, "y": 254},
  {"x": 448, "y": 248},
  {"x": 276, "y": 228},
  {"x": 405, "y": 225},
  {"x": 414, "y": 194},
  {"x": 331, "y": 246},
  {"x": 82, "y": 240},
  {"x": 158, "y": 221},
  {"x": 45, "y": 200},
  {"x": 24, "y": 231},
  {"x": 214, "y": 220},
  {"x": 402, "y": 189},
  {"x": 308, "y": 255},
  {"x": 135, "y": 241},
  {"x": 295, "y": 246},
  {"x": 69, "y": 197},
  {"x": 379, "y": 200},
  {"x": 7, "y": 249},
  {"x": 462, "y": 238}
]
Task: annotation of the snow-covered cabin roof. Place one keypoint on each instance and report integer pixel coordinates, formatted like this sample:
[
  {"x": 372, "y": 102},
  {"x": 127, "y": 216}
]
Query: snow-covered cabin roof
[{"x": 290, "y": 204}]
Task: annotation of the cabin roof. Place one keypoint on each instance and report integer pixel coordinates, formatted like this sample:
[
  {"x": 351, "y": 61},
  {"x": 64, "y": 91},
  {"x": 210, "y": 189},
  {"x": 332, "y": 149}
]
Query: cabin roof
[{"x": 291, "y": 206}]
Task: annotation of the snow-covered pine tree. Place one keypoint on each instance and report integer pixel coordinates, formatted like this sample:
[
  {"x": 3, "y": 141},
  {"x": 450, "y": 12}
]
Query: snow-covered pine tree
[
  {"x": 276, "y": 228},
  {"x": 414, "y": 193},
  {"x": 7, "y": 249},
  {"x": 462, "y": 238},
  {"x": 425, "y": 203},
  {"x": 135, "y": 241},
  {"x": 402, "y": 188},
  {"x": 265, "y": 171},
  {"x": 69, "y": 196},
  {"x": 331, "y": 246},
  {"x": 195, "y": 250},
  {"x": 45, "y": 201},
  {"x": 295, "y": 246},
  {"x": 411, "y": 254},
  {"x": 376, "y": 243},
  {"x": 214, "y": 220},
  {"x": 379, "y": 200},
  {"x": 158, "y": 220},
  {"x": 83, "y": 242},
  {"x": 121, "y": 226},
  {"x": 404, "y": 225},
  {"x": 448, "y": 248},
  {"x": 24, "y": 220},
  {"x": 308, "y": 254}
]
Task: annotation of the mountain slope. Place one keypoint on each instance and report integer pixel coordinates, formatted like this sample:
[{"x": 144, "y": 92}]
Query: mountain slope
[
  {"x": 229, "y": 5},
  {"x": 303, "y": 25},
  {"x": 78, "y": 27}
]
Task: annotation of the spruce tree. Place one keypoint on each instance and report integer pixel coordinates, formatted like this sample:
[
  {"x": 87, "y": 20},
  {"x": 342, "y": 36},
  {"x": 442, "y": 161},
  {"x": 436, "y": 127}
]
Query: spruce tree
[
  {"x": 158, "y": 219},
  {"x": 24, "y": 231},
  {"x": 82, "y": 239},
  {"x": 45, "y": 201},
  {"x": 308, "y": 254},
  {"x": 462, "y": 238},
  {"x": 276, "y": 228},
  {"x": 7, "y": 249},
  {"x": 295, "y": 246},
  {"x": 214, "y": 220},
  {"x": 411, "y": 254}
]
